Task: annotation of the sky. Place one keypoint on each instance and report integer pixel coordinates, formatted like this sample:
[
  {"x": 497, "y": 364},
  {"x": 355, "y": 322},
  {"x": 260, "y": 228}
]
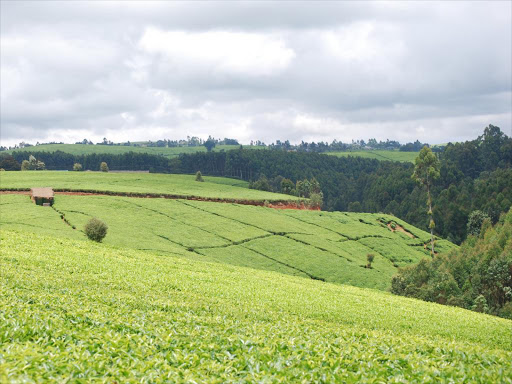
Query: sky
[{"x": 312, "y": 71}]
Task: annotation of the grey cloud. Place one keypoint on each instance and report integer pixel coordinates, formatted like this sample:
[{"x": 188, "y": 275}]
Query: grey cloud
[{"x": 390, "y": 70}]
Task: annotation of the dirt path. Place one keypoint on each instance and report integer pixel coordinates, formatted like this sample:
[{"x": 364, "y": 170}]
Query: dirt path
[{"x": 275, "y": 205}]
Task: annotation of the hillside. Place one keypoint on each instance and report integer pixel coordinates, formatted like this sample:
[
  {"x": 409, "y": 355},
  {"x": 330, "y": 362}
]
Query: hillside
[
  {"x": 179, "y": 185},
  {"x": 330, "y": 246},
  {"x": 76, "y": 310},
  {"x": 83, "y": 149},
  {"x": 406, "y": 157}
]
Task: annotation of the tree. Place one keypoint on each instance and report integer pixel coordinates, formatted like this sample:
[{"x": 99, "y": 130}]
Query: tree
[
  {"x": 475, "y": 221},
  {"x": 287, "y": 186},
  {"x": 77, "y": 167},
  {"x": 199, "y": 176},
  {"x": 25, "y": 165},
  {"x": 426, "y": 171},
  {"x": 209, "y": 144},
  {"x": 95, "y": 229},
  {"x": 9, "y": 163},
  {"x": 369, "y": 258},
  {"x": 104, "y": 167}
]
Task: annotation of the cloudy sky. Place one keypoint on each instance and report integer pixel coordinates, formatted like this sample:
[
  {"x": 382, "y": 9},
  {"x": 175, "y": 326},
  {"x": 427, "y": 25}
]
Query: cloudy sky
[{"x": 431, "y": 71}]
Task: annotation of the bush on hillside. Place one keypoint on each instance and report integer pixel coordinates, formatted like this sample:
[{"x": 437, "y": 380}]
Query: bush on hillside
[
  {"x": 77, "y": 167},
  {"x": 369, "y": 258},
  {"x": 96, "y": 230},
  {"x": 104, "y": 167},
  {"x": 199, "y": 176}
]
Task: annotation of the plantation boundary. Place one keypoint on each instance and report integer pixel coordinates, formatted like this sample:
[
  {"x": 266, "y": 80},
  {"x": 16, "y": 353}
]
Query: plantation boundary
[{"x": 276, "y": 204}]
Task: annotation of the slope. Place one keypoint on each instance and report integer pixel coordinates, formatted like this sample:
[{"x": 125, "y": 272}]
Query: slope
[
  {"x": 330, "y": 246},
  {"x": 72, "y": 310},
  {"x": 180, "y": 185}
]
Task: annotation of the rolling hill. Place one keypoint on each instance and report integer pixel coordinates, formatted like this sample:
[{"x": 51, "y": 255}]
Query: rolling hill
[
  {"x": 329, "y": 246},
  {"x": 78, "y": 311}
]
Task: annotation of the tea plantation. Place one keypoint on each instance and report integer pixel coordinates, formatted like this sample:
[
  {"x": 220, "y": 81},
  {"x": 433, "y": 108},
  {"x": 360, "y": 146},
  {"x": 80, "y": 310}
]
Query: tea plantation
[
  {"x": 180, "y": 185},
  {"x": 329, "y": 246},
  {"x": 79, "y": 311}
]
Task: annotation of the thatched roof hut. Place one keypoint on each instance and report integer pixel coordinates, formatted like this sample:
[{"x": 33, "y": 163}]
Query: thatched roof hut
[{"x": 42, "y": 196}]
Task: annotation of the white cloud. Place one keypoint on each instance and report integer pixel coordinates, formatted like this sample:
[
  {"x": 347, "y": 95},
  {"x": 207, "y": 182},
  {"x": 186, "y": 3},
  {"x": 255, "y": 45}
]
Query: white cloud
[{"x": 236, "y": 53}]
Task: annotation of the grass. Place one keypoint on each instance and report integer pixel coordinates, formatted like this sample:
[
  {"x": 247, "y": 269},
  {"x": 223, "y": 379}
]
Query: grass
[
  {"x": 405, "y": 157},
  {"x": 83, "y": 312},
  {"x": 330, "y": 246},
  {"x": 180, "y": 185},
  {"x": 83, "y": 149}
]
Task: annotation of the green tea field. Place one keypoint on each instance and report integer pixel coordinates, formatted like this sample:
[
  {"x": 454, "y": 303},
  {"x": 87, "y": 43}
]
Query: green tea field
[
  {"x": 83, "y": 149},
  {"x": 406, "y": 157},
  {"x": 76, "y": 311},
  {"x": 329, "y": 246},
  {"x": 179, "y": 185}
]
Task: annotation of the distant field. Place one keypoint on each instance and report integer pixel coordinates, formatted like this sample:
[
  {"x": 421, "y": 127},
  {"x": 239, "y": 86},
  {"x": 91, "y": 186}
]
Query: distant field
[
  {"x": 182, "y": 185},
  {"x": 74, "y": 311},
  {"x": 379, "y": 155},
  {"x": 83, "y": 149},
  {"x": 330, "y": 246}
]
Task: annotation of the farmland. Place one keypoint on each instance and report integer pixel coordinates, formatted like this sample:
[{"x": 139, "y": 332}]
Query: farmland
[
  {"x": 406, "y": 157},
  {"x": 180, "y": 185},
  {"x": 83, "y": 149},
  {"x": 74, "y": 310},
  {"x": 330, "y": 246}
]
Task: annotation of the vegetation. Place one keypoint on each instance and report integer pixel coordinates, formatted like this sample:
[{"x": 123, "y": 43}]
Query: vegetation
[
  {"x": 143, "y": 183},
  {"x": 426, "y": 172},
  {"x": 86, "y": 149},
  {"x": 199, "y": 176},
  {"x": 86, "y": 311},
  {"x": 406, "y": 157},
  {"x": 95, "y": 229},
  {"x": 475, "y": 175},
  {"x": 477, "y": 276},
  {"x": 312, "y": 244},
  {"x": 32, "y": 164},
  {"x": 77, "y": 167},
  {"x": 103, "y": 167}
]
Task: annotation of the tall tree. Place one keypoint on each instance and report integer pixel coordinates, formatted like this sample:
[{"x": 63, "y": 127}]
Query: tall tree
[{"x": 426, "y": 171}]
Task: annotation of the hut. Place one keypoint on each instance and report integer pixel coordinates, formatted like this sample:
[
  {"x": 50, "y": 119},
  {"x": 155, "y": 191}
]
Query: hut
[{"x": 42, "y": 196}]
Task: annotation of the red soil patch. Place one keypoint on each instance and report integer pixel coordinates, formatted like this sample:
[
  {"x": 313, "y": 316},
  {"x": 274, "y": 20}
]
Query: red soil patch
[{"x": 399, "y": 228}]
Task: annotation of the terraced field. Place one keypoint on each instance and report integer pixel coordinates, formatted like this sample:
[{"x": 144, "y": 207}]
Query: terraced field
[
  {"x": 83, "y": 312},
  {"x": 179, "y": 185},
  {"x": 329, "y": 246}
]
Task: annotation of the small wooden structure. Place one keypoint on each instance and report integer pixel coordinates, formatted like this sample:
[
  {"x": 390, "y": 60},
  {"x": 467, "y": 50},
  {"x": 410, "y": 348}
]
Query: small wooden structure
[{"x": 42, "y": 196}]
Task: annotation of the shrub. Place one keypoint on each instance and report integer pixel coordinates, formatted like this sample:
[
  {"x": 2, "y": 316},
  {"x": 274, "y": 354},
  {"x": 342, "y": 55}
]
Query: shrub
[
  {"x": 25, "y": 165},
  {"x": 199, "y": 176},
  {"x": 316, "y": 200},
  {"x": 95, "y": 229},
  {"x": 475, "y": 221},
  {"x": 370, "y": 257},
  {"x": 103, "y": 167},
  {"x": 77, "y": 167}
]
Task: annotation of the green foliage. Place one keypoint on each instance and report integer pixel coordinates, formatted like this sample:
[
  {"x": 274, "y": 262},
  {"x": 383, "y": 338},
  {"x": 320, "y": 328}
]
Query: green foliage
[
  {"x": 178, "y": 185},
  {"x": 261, "y": 184},
  {"x": 25, "y": 165},
  {"x": 287, "y": 187},
  {"x": 475, "y": 221},
  {"x": 104, "y": 167},
  {"x": 95, "y": 229},
  {"x": 88, "y": 312},
  {"x": 199, "y": 176},
  {"x": 77, "y": 167},
  {"x": 210, "y": 144},
  {"x": 405, "y": 157},
  {"x": 369, "y": 258},
  {"x": 307, "y": 243},
  {"x": 477, "y": 276}
]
